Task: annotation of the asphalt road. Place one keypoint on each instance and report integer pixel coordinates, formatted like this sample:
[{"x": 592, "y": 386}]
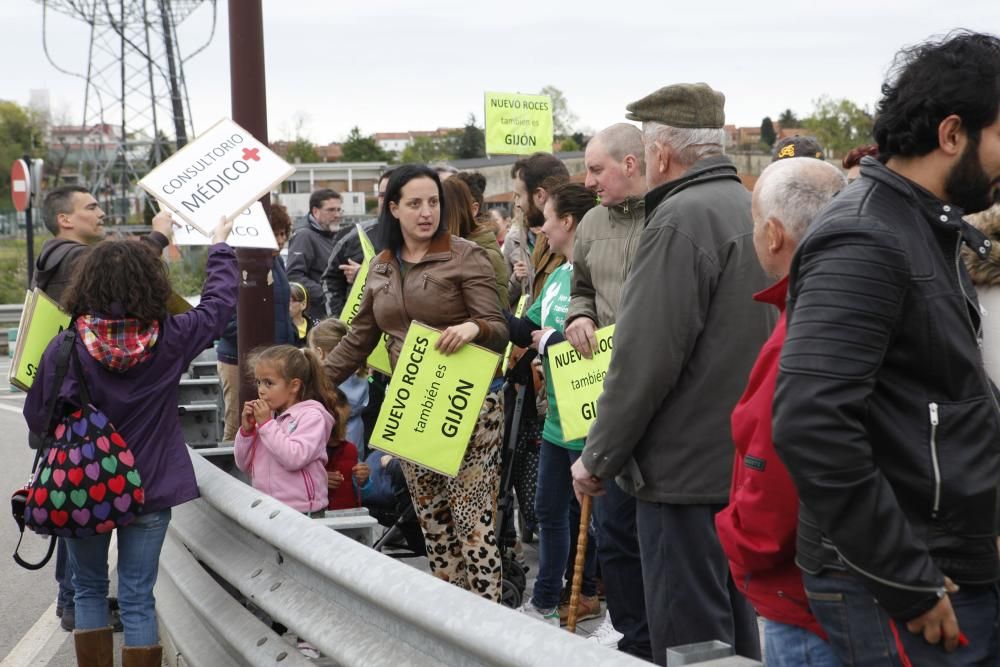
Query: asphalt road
[{"x": 25, "y": 596}]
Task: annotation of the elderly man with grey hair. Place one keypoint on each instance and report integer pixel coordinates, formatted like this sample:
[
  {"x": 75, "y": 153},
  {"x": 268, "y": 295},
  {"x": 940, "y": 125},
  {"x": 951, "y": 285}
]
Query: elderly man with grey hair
[
  {"x": 605, "y": 245},
  {"x": 758, "y": 528},
  {"x": 686, "y": 337}
]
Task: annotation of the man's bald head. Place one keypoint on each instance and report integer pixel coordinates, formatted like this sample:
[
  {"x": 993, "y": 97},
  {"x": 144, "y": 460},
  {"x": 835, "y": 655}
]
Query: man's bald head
[
  {"x": 615, "y": 162},
  {"x": 788, "y": 197}
]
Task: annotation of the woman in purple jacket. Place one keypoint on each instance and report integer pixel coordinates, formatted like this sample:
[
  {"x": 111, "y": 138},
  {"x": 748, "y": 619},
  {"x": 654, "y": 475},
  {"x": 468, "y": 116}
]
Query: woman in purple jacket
[{"x": 132, "y": 354}]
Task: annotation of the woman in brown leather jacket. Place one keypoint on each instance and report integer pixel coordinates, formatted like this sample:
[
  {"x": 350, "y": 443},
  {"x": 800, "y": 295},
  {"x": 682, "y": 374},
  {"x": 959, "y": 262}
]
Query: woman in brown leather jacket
[{"x": 447, "y": 283}]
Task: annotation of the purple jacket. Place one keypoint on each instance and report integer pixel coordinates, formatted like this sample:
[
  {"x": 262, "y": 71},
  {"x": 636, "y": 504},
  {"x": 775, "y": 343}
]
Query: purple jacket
[{"x": 142, "y": 401}]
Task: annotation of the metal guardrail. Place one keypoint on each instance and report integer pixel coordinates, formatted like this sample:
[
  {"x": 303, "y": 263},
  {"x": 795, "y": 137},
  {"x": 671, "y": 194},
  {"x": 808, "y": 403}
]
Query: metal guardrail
[{"x": 355, "y": 605}]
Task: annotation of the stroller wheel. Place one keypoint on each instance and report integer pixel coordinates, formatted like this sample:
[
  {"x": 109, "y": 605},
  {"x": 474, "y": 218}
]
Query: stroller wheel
[
  {"x": 514, "y": 573},
  {"x": 510, "y": 596}
]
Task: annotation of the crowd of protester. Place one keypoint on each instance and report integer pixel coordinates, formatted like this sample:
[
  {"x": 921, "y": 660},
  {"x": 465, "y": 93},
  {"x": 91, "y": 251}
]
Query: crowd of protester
[{"x": 799, "y": 424}]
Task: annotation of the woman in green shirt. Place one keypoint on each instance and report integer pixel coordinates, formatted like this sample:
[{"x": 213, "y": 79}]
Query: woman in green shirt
[{"x": 542, "y": 326}]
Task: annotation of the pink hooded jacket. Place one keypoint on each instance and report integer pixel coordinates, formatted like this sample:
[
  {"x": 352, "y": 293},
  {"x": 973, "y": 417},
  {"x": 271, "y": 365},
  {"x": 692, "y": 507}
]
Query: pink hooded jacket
[{"x": 286, "y": 457}]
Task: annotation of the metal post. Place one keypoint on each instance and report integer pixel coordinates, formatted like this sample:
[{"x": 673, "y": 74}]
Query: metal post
[
  {"x": 255, "y": 310},
  {"x": 29, "y": 228}
]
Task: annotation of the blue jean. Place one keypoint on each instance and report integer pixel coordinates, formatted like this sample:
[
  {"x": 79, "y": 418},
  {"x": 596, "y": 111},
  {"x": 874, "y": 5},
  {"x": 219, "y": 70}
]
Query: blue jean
[
  {"x": 139, "y": 545},
  {"x": 553, "y": 497},
  {"x": 621, "y": 568},
  {"x": 792, "y": 646},
  {"x": 861, "y": 633},
  {"x": 64, "y": 576}
]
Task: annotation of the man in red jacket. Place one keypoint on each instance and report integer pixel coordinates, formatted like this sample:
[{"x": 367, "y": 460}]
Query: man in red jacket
[{"x": 757, "y": 529}]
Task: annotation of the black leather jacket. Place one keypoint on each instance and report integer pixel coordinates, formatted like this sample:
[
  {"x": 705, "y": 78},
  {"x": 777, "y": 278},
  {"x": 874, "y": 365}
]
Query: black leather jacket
[{"x": 883, "y": 412}]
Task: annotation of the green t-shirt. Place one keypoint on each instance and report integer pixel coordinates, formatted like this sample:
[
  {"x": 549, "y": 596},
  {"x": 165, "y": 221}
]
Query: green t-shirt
[{"x": 549, "y": 310}]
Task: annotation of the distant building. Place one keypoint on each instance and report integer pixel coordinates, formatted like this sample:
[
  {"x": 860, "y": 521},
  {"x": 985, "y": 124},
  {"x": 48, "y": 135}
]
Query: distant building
[{"x": 397, "y": 142}]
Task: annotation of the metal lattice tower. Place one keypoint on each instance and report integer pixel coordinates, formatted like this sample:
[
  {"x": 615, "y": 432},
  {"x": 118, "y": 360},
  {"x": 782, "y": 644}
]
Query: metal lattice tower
[{"x": 136, "y": 108}]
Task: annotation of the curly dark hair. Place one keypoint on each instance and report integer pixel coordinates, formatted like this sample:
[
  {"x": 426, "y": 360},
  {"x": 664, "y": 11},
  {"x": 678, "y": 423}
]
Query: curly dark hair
[
  {"x": 957, "y": 74},
  {"x": 125, "y": 274}
]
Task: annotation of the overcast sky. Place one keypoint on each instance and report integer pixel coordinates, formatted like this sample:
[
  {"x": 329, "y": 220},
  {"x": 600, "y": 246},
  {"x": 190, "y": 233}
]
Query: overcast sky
[{"x": 395, "y": 65}]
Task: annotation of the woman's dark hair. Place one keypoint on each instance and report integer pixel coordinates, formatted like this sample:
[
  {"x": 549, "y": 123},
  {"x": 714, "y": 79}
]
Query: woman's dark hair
[
  {"x": 958, "y": 74},
  {"x": 390, "y": 234},
  {"x": 458, "y": 218},
  {"x": 476, "y": 183},
  {"x": 853, "y": 159},
  {"x": 572, "y": 199},
  {"x": 120, "y": 274},
  {"x": 281, "y": 223}
]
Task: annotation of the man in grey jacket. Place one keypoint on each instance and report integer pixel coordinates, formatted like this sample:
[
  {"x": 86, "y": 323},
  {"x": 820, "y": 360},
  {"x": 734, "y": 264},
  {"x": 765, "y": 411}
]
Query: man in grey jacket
[
  {"x": 605, "y": 244},
  {"x": 687, "y": 334}
]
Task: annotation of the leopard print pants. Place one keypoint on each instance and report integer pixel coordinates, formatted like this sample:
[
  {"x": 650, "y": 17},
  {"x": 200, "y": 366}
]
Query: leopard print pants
[{"x": 458, "y": 516}]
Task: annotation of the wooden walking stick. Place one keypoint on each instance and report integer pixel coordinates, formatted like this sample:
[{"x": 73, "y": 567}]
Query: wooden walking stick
[{"x": 581, "y": 558}]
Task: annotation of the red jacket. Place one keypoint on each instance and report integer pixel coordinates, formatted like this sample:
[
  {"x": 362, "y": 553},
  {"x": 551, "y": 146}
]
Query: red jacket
[
  {"x": 343, "y": 458},
  {"x": 757, "y": 529}
]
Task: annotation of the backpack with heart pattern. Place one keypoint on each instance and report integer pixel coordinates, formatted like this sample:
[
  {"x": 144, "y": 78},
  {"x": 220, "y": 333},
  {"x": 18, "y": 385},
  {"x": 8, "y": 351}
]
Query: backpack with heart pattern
[{"x": 87, "y": 483}]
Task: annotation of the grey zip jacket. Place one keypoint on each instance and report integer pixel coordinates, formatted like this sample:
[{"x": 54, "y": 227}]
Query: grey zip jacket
[{"x": 603, "y": 250}]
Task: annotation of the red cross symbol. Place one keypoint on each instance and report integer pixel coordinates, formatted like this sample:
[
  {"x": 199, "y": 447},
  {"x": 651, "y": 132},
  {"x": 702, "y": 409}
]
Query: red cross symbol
[{"x": 251, "y": 154}]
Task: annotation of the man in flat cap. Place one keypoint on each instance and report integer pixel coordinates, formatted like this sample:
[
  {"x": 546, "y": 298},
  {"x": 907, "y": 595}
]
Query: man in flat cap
[{"x": 687, "y": 334}]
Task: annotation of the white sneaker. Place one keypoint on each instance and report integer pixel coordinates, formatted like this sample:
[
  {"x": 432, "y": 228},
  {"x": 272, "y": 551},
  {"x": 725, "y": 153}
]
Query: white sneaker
[
  {"x": 605, "y": 634},
  {"x": 550, "y": 616}
]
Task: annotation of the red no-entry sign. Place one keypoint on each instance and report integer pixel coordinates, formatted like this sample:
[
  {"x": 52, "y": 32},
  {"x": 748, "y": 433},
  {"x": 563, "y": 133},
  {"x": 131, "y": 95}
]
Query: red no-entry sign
[{"x": 20, "y": 185}]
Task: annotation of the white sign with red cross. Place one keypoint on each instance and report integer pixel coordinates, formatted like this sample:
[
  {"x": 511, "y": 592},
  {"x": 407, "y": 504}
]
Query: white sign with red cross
[
  {"x": 218, "y": 175},
  {"x": 20, "y": 185}
]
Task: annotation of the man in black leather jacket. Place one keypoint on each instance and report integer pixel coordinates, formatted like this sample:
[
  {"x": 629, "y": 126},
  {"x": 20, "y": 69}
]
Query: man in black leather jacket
[{"x": 883, "y": 412}]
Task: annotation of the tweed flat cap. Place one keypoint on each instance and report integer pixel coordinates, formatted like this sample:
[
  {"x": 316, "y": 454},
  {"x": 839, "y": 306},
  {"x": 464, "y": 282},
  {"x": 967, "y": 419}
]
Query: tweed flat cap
[{"x": 689, "y": 105}]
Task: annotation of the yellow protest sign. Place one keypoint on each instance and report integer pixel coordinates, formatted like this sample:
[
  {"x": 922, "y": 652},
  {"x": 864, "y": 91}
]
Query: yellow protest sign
[
  {"x": 353, "y": 302},
  {"x": 522, "y": 304},
  {"x": 433, "y": 401},
  {"x": 578, "y": 382},
  {"x": 41, "y": 321},
  {"x": 379, "y": 358},
  {"x": 518, "y": 124}
]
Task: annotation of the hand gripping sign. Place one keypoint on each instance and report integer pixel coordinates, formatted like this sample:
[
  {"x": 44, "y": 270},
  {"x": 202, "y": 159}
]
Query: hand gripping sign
[
  {"x": 251, "y": 229},
  {"x": 579, "y": 382},
  {"x": 218, "y": 175},
  {"x": 433, "y": 401}
]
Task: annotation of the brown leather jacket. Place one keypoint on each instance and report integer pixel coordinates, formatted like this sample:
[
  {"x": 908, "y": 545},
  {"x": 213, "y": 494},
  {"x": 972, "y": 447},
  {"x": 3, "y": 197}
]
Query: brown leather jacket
[{"x": 452, "y": 284}]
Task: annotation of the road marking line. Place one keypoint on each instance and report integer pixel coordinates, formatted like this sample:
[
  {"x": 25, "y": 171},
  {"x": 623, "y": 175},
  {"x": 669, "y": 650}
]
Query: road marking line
[
  {"x": 28, "y": 651},
  {"x": 9, "y": 408},
  {"x": 37, "y": 646}
]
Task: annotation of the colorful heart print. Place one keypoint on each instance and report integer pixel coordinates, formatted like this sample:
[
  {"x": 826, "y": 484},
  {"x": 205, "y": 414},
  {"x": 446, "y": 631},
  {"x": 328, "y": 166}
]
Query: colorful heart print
[
  {"x": 110, "y": 464},
  {"x": 88, "y": 451},
  {"x": 80, "y": 427},
  {"x": 57, "y": 498},
  {"x": 102, "y": 510},
  {"x": 45, "y": 475},
  {"x": 59, "y": 517},
  {"x": 75, "y": 456},
  {"x": 125, "y": 456},
  {"x": 133, "y": 477},
  {"x": 103, "y": 444},
  {"x": 78, "y": 497},
  {"x": 98, "y": 491},
  {"x": 81, "y": 516},
  {"x": 117, "y": 439},
  {"x": 116, "y": 484},
  {"x": 75, "y": 476},
  {"x": 93, "y": 470},
  {"x": 59, "y": 477}
]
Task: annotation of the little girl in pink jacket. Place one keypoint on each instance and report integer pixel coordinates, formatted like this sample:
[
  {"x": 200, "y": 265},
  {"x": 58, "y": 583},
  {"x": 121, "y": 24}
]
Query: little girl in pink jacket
[{"x": 282, "y": 440}]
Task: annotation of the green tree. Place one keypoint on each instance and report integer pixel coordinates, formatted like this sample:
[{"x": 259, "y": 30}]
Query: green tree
[
  {"x": 471, "y": 141},
  {"x": 20, "y": 132},
  {"x": 563, "y": 119},
  {"x": 359, "y": 148},
  {"x": 428, "y": 149},
  {"x": 840, "y": 125},
  {"x": 767, "y": 134},
  {"x": 569, "y": 145},
  {"x": 788, "y": 119},
  {"x": 301, "y": 150}
]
